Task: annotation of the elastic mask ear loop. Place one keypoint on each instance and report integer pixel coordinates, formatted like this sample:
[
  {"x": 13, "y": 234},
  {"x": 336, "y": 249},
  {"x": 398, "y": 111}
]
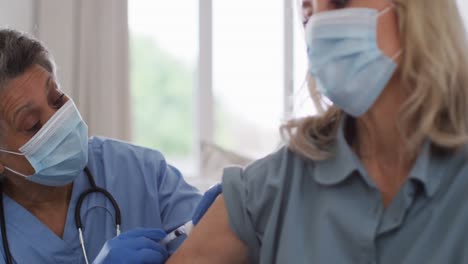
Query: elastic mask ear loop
[
  {"x": 10, "y": 169},
  {"x": 381, "y": 13},
  {"x": 386, "y": 10},
  {"x": 398, "y": 54},
  {"x": 16, "y": 172},
  {"x": 12, "y": 152}
]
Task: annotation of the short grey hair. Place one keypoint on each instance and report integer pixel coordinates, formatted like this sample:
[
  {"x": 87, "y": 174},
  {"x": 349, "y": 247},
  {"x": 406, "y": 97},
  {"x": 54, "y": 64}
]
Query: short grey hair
[{"x": 18, "y": 52}]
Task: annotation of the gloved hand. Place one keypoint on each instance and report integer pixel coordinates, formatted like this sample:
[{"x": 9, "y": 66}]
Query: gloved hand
[
  {"x": 207, "y": 200},
  {"x": 139, "y": 245}
]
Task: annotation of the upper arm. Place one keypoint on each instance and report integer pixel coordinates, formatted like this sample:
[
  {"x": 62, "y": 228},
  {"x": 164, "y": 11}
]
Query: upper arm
[
  {"x": 212, "y": 241},
  {"x": 232, "y": 229}
]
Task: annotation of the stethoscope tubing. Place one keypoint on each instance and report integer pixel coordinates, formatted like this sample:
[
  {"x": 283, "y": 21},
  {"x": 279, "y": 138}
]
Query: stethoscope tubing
[{"x": 93, "y": 189}]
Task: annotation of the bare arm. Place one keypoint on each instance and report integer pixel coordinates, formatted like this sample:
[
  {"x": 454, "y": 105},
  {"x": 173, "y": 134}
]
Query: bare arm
[{"x": 212, "y": 241}]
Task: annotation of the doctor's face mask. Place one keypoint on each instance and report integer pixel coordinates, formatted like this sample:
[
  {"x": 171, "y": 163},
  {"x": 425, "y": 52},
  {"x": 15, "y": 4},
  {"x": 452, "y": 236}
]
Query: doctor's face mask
[{"x": 48, "y": 137}]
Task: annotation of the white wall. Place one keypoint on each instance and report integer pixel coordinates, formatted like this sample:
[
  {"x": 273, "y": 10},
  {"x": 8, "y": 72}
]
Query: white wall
[
  {"x": 88, "y": 39},
  {"x": 57, "y": 32},
  {"x": 18, "y": 14}
]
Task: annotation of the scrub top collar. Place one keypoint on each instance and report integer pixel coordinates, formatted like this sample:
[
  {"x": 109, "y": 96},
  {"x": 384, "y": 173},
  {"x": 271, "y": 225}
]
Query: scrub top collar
[{"x": 27, "y": 227}]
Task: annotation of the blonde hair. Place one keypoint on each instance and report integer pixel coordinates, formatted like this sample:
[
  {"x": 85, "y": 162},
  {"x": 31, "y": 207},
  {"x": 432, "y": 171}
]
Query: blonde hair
[{"x": 434, "y": 72}]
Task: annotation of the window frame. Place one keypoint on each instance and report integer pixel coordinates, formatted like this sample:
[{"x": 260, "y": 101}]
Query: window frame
[{"x": 204, "y": 87}]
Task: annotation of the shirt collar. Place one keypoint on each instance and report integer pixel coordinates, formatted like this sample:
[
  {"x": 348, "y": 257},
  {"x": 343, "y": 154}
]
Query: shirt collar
[
  {"x": 341, "y": 164},
  {"x": 427, "y": 169}
]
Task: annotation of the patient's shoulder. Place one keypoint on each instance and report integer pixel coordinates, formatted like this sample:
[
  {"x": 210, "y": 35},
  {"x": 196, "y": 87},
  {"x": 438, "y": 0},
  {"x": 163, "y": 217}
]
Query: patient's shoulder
[
  {"x": 253, "y": 195},
  {"x": 274, "y": 170}
]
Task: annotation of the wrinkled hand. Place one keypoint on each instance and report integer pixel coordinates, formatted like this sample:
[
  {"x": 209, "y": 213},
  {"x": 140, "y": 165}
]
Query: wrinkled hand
[
  {"x": 207, "y": 200},
  {"x": 136, "y": 246}
]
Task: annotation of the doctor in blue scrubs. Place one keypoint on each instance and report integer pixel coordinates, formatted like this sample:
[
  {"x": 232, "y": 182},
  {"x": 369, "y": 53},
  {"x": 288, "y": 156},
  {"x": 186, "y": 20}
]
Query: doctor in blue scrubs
[{"x": 47, "y": 161}]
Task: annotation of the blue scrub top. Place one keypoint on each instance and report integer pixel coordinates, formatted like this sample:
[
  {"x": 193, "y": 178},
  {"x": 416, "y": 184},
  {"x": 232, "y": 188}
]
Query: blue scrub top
[
  {"x": 289, "y": 209},
  {"x": 149, "y": 192}
]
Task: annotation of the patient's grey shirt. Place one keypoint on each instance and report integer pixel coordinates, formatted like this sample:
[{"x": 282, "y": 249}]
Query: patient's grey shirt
[{"x": 288, "y": 209}]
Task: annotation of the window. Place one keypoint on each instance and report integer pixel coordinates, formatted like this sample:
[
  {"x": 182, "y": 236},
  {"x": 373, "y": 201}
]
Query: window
[
  {"x": 229, "y": 91},
  {"x": 164, "y": 50},
  {"x": 302, "y": 103},
  {"x": 248, "y": 75},
  {"x": 463, "y": 5},
  {"x": 232, "y": 91}
]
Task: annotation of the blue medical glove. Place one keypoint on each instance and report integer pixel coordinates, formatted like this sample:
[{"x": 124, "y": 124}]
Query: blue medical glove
[
  {"x": 136, "y": 246},
  {"x": 207, "y": 200}
]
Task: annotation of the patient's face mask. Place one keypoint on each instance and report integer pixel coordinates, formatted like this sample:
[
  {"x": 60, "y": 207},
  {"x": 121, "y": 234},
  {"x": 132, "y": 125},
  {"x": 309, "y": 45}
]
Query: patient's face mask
[
  {"x": 345, "y": 60},
  {"x": 58, "y": 152}
]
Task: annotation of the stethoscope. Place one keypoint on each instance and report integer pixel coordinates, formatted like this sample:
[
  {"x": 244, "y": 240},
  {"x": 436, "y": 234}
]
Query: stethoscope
[{"x": 93, "y": 189}]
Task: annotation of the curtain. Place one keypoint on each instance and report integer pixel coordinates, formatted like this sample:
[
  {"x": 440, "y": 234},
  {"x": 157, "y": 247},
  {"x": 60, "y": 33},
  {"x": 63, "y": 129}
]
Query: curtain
[{"x": 89, "y": 40}]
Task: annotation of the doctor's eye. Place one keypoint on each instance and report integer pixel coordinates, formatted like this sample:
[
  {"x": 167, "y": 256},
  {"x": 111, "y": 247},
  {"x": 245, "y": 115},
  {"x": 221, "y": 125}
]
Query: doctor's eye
[
  {"x": 340, "y": 3},
  {"x": 59, "y": 101},
  {"x": 34, "y": 128},
  {"x": 56, "y": 98}
]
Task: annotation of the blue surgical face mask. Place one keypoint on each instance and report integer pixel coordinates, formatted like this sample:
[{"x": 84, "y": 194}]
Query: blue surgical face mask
[
  {"x": 345, "y": 60},
  {"x": 58, "y": 152}
]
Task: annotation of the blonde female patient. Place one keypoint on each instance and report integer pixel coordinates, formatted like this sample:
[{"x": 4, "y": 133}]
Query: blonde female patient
[{"x": 381, "y": 175}]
